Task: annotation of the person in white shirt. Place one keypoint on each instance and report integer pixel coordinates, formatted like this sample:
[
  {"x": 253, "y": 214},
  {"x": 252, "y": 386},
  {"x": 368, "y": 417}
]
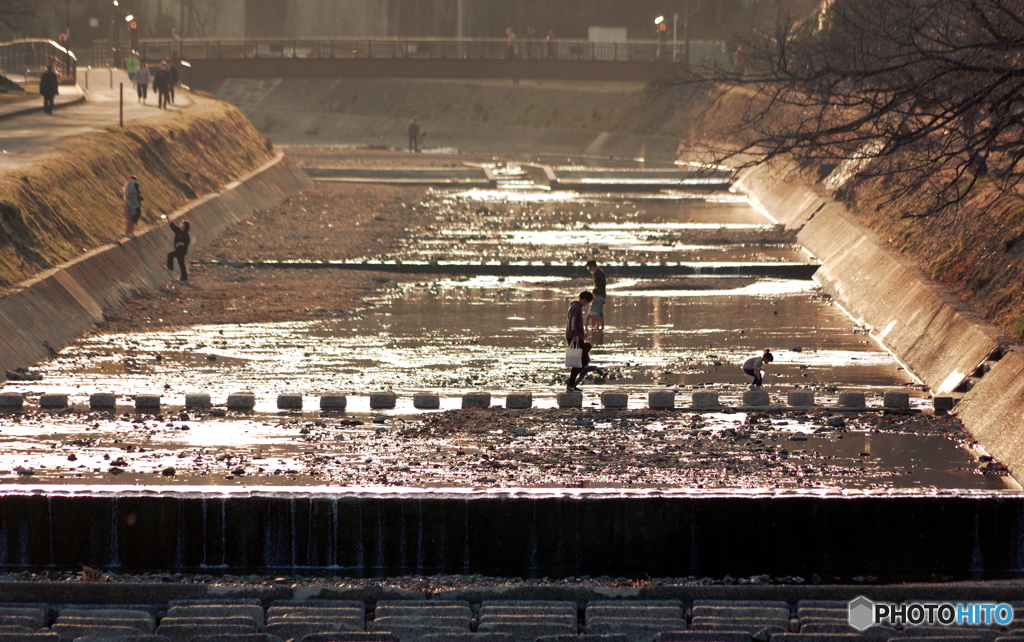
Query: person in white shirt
[{"x": 753, "y": 367}]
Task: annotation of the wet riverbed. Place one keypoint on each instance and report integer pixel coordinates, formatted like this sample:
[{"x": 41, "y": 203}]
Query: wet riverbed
[{"x": 454, "y": 335}]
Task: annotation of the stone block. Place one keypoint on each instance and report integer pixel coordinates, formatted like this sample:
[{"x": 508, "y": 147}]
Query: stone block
[
  {"x": 938, "y": 403},
  {"x": 706, "y": 399},
  {"x": 661, "y": 399},
  {"x": 570, "y": 400},
  {"x": 382, "y": 399},
  {"x": 426, "y": 401},
  {"x": 893, "y": 399},
  {"x": 756, "y": 398},
  {"x": 289, "y": 402},
  {"x": 198, "y": 401},
  {"x": 102, "y": 401},
  {"x": 519, "y": 400},
  {"x": 476, "y": 400},
  {"x": 333, "y": 402},
  {"x": 614, "y": 399},
  {"x": 11, "y": 401},
  {"x": 53, "y": 400},
  {"x": 801, "y": 398},
  {"x": 243, "y": 401},
  {"x": 147, "y": 402},
  {"x": 851, "y": 400}
]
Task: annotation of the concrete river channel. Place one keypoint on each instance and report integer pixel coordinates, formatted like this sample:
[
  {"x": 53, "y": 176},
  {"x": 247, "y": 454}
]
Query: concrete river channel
[{"x": 688, "y": 330}]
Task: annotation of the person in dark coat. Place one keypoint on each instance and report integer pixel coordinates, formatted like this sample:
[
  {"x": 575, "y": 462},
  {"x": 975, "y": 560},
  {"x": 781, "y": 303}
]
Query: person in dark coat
[
  {"x": 181, "y": 243},
  {"x": 162, "y": 85},
  {"x": 574, "y": 333},
  {"x": 413, "y": 131},
  {"x": 48, "y": 88}
]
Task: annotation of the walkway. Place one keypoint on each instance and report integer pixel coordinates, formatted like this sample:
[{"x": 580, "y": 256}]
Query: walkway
[{"x": 27, "y": 133}]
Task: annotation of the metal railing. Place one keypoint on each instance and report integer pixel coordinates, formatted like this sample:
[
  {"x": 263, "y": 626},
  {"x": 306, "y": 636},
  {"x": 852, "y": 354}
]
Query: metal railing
[
  {"x": 712, "y": 53},
  {"x": 31, "y": 57}
]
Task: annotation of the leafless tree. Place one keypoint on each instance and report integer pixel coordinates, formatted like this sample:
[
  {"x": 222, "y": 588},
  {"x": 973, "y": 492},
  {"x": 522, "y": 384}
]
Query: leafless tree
[
  {"x": 15, "y": 14},
  {"x": 925, "y": 93}
]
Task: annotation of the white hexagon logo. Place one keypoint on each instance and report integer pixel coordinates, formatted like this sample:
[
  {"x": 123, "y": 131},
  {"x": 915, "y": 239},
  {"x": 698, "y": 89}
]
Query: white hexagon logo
[{"x": 862, "y": 611}]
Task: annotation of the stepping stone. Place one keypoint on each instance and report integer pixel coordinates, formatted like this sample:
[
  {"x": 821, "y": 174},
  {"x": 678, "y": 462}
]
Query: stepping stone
[
  {"x": 894, "y": 399},
  {"x": 382, "y": 400},
  {"x": 476, "y": 400},
  {"x": 296, "y": 628},
  {"x": 660, "y": 609},
  {"x": 11, "y": 401},
  {"x": 745, "y": 612},
  {"x": 519, "y": 400},
  {"x": 241, "y": 401},
  {"x": 209, "y": 620},
  {"x": 661, "y": 399},
  {"x": 615, "y": 399},
  {"x": 570, "y": 399},
  {"x": 426, "y": 401},
  {"x": 636, "y": 629},
  {"x": 801, "y": 398},
  {"x": 756, "y": 398},
  {"x": 705, "y": 399},
  {"x": 145, "y": 626},
  {"x": 102, "y": 401},
  {"x": 148, "y": 403},
  {"x": 289, "y": 402},
  {"x": 197, "y": 401},
  {"x": 53, "y": 401},
  {"x": 851, "y": 400},
  {"x": 333, "y": 402}
]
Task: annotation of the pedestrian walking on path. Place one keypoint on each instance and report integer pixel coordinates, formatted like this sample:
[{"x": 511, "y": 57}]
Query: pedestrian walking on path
[
  {"x": 162, "y": 85},
  {"x": 596, "y": 316},
  {"x": 48, "y": 88},
  {"x": 413, "y": 131},
  {"x": 132, "y": 206},
  {"x": 142, "y": 80},
  {"x": 181, "y": 243},
  {"x": 131, "y": 65},
  {"x": 753, "y": 367},
  {"x": 575, "y": 335}
]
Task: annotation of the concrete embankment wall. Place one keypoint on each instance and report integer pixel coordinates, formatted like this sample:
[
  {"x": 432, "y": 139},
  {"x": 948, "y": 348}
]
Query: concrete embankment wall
[
  {"x": 933, "y": 332},
  {"x": 55, "y": 307}
]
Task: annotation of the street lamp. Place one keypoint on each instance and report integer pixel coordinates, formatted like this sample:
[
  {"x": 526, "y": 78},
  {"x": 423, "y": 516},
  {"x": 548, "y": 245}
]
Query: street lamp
[{"x": 659, "y": 24}]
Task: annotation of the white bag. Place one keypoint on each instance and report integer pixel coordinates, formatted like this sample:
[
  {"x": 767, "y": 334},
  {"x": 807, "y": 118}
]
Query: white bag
[{"x": 574, "y": 355}]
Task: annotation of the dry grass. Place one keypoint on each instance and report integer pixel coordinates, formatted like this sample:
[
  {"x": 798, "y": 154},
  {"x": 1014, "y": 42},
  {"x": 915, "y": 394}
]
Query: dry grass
[{"x": 69, "y": 202}]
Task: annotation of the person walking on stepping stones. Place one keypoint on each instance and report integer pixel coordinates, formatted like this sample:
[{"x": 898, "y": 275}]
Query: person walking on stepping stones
[
  {"x": 753, "y": 365},
  {"x": 181, "y": 242},
  {"x": 575, "y": 334}
]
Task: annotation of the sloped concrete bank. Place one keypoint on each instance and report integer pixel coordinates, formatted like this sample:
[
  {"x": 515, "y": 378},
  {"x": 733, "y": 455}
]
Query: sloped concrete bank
[
  {"x": 937, "y": 335},
  {"x": 52, "y": 309}
]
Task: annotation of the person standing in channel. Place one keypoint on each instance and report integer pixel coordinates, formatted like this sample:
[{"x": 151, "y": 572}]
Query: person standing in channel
[
  {"x": 132, "y": 206},
  {"x": 413, "y": 132},
  {"x": 753, "y": 365},
  {"x": 49, "y": 87},
  {"x": 575, "y": 333},
  {"x": 181, "y": 242},
  {"x": 596, "y": 315},
  {"x": 142, "y": 80}
]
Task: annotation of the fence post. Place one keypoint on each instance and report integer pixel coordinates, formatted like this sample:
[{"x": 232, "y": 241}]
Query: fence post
[{"x": 120, "y": 107}]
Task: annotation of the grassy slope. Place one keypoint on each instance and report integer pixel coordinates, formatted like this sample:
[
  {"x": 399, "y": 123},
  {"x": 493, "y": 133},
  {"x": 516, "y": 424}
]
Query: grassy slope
[{"x": 69, "y": 202}]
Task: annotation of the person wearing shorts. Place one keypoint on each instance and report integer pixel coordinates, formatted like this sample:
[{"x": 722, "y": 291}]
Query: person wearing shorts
[{"x": 595, "y": 317}]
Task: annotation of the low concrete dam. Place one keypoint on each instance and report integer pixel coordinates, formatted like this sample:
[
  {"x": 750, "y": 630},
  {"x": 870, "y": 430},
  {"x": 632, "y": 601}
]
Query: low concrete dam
[{"x": 518, "y": 533}]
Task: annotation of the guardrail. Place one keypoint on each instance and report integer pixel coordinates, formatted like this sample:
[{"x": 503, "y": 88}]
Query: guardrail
[
  {"x": 31, "y": 57},
  {"x": 710, "y": 53}
]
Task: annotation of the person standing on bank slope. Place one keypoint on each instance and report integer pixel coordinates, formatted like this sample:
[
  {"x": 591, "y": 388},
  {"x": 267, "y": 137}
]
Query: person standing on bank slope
[
  {"x": 181, "y": 243},
  {"x": 132, "y": 206},
  {"x": 413, "y": 132}
]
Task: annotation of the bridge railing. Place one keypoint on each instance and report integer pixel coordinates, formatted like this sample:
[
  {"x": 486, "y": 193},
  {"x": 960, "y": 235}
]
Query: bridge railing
[
  {"x": 30, "y": 57},
  {"x": 701, "y": 52}
]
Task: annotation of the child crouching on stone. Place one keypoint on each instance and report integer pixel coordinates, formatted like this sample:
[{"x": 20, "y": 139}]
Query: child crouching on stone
[{"x": 753, "y": 367}]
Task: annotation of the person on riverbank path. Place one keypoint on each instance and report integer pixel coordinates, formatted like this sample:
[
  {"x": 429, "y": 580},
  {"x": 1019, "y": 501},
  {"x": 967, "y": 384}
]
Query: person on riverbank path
[
  {"x": 132, "y": 206},
  {"x": 753, "y": 365},
  {"x": 162, "y": 85},
  {"x": 181, "y": 243},
  {"x": 142, "y": 80},
  {"x": 596, "y": 316},
  {"x": 48, "y": 89},
  {"x": 413, "y": 132},
  {"x": 575, "y": 333},
  {"x": 131, "y": 65}
]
